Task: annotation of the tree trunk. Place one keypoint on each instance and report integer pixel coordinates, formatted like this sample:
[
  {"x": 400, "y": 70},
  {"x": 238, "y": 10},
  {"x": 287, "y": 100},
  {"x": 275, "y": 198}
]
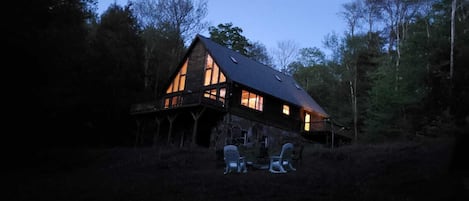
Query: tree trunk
[
  {"x": 355, "y": 108},
  {"x": 170, "y": 130},
  {"x": 451, "y": 59},
  {"x": 398, "y": 59}
]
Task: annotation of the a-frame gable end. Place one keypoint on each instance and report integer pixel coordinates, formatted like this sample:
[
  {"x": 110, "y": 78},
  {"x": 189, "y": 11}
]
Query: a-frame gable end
[{"x": 179, "y": 81}]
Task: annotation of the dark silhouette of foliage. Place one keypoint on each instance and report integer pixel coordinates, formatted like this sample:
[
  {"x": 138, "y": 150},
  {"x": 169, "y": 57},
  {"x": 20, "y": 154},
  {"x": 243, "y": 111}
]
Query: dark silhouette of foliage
[{"x": 230, "y": 36}]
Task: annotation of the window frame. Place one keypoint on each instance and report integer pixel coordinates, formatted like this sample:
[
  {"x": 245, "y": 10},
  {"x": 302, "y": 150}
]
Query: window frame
[
  {"x": 212, "y": 72},
  {"x": 246, "y": 101},
  {"x": 179, "y": 82}
]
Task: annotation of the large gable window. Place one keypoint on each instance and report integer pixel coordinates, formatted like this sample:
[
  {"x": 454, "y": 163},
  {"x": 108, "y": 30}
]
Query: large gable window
[
  {"x": 179, "y": 82},
  {"x": 213, "y": 75},
  {"x": 252, "y": 100}
]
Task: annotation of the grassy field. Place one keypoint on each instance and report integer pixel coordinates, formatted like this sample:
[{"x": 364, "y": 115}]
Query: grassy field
[{"x": 397, "y": 171}]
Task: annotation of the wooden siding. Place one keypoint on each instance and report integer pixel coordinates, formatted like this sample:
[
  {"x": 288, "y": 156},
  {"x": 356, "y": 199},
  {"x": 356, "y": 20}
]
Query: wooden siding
[{"x": 272, "y": 110}]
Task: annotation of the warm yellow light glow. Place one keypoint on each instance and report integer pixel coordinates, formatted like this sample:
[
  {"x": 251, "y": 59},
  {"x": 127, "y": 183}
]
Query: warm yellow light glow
[
  {"x": 252, "y": 100},
  {"x": 170, "y": 89},
  {"x": 222, "y": 92},
  {"x": 216, "y": 94},
  {"x": 222, "y": 95},
  {"x": 179, "y": 82},
  {"x": 209, "y": 61},
  {"x": 184, "y": 68},
  {"x": 244, "y": 98},
  {"x": 182, "y": 73},
  {"x": 182, "y": 83},
  {"x": 176, "y": 83},
  {"x": 307, "y": 121},
  {"x": 166, "y": 103},
  {"x": 213, "y": 75},
  {"x": 286, "y": 109},
  {"x": 260, "y": 103},
  {"x": 222, "y": 78}
]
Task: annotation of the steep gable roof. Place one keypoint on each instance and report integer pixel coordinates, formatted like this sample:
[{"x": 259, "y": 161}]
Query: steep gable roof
[{"x": 253, "y": 74}]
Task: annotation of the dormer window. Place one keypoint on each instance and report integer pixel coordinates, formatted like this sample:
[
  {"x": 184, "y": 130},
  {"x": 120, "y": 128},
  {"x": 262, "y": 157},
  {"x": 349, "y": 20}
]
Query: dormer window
[{"x": 213, "y": 75}]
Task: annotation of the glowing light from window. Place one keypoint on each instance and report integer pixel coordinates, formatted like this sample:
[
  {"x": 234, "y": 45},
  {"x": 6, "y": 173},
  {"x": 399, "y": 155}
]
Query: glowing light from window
[
  {"x": 252, "y": 100},
  {"x": 286, "y": 109}
]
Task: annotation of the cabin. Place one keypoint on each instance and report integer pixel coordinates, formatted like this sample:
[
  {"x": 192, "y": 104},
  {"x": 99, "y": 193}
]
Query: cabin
[{"x": 217, "y": 96}]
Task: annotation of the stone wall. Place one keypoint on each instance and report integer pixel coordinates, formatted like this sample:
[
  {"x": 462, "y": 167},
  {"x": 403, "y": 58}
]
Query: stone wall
[{"x": 249, "y": 134}]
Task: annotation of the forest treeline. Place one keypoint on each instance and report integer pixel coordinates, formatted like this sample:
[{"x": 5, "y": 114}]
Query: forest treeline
[{"x": 397, "y": 72}]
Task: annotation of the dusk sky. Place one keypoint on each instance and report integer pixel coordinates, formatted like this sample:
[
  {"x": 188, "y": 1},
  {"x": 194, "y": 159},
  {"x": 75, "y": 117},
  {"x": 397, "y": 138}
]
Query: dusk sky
[{"x": 305, "y": 22}]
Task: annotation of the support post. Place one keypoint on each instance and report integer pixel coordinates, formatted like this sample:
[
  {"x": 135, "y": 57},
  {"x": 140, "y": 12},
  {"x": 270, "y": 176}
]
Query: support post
[
  {"x": 196, "y": 116},
  {"x": 171, "y": 119},
  {"x": 157, "y": 134}
]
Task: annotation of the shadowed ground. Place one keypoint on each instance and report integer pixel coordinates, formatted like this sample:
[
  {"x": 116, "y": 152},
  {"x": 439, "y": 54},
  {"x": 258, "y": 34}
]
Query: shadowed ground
[{"x": 399, "y": 171}]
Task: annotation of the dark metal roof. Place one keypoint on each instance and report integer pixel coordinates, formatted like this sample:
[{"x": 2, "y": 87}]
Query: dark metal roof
[{"x": 253, "y": 74}]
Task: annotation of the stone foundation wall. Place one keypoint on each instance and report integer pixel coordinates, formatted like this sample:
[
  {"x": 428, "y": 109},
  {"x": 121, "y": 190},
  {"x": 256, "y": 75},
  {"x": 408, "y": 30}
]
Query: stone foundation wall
[{"x": 249, "y": 134}]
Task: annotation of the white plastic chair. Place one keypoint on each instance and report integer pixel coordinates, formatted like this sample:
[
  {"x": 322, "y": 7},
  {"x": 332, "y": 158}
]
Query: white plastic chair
[
  {"x": 233, "y": 161},
  {"x": 283, "y": 162}
]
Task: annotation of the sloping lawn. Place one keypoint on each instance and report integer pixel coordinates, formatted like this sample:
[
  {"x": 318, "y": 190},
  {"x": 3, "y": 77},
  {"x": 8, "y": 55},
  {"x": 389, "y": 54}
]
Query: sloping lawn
[{"x": 398, "y": 171}]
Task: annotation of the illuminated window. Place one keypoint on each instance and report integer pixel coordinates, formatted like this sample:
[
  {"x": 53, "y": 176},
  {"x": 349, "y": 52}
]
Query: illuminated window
[
  {"x": 307, "y": 122},
  {"x": 174, "y": 101},
  {"x": 252, "y": 100},
  {"x": 286, "y": 109},
  {"x": 166, "y": 103},
  {"x": 213, "y": 75},
  {"x": 211, "y": 93},
  {"x": 179, "y": 82},
  {"x": 222, "y": 94},
  {"x": 216, "y": 94}
]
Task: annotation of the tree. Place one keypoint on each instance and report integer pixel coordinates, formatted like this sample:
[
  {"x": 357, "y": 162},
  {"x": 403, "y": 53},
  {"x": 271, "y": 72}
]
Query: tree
[
  {"x": 258, "y": 52},
  {"x": 115, "y": 77},
  {"x": 312, "y": 56},
  {"x": 47, "y": 43},
  {"x": 285, "y": 53},
  {"x": 399, "y": 15},
  {"x": 352, "y": 14},
  {"x": 451, "y": 60},
  {"x": 168, "y": 25},
  {"x": 230, "y": 37},
  {"x": 185, "y": 17},
  {"x": 371, "y": 13}
]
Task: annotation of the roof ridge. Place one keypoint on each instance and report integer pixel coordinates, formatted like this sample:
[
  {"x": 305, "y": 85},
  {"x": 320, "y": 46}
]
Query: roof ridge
[{"x": 267, "y": 66}]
